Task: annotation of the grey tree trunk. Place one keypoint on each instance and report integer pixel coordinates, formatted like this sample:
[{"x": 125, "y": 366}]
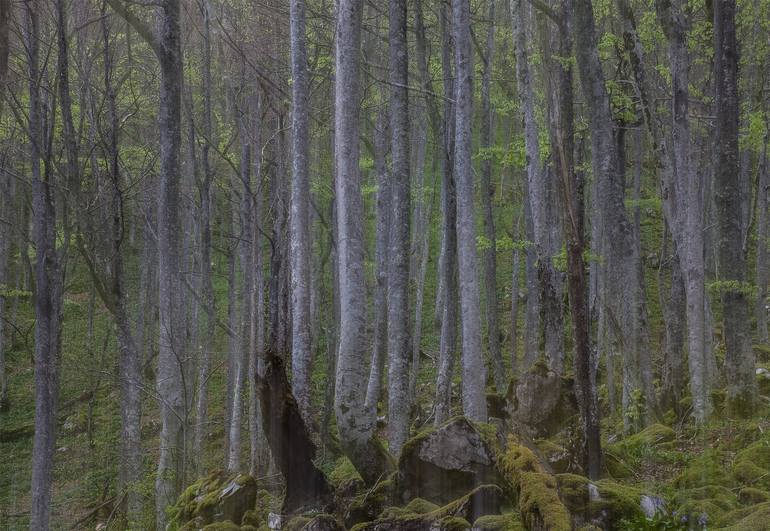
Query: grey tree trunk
[
  {"x": 539, "y": 197},
  {"x": 448, "y": 265},
  {"x": 474, "y": 373},
  {"x": 489, "y": 255},
  {"x": 684, "y": 207},
  {"x": 207, "y": 288},
  {"x": 380, "y": 342},
  {"x": 301, "y": 356},
  {"x": 761, "y": 264},
  {"x": 354, "y": 425},
  {"x": 172, "y": 360},
  {"x": 6, "y": 204},
  {"x": 617, "y": 237},
  {"x": 729, "y": 195},
  {"x": 399, "y": 247},
  {"x": 47, "y": 291},
  {"x": 130, "y": 356}
]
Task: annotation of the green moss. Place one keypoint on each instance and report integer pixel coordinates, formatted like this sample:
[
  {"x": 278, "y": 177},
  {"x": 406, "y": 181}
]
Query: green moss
[
  {"x": 620, "y": 501},
  {"x": 752, "y": 465},
  {"x": 718, "y": 495},
  {"x": 420, "y": 506},
  {"x": 498, "y": 522},
  {"x": 297, "y": 523},
  {"x": 227, "y": 525},
  {"x": 706, "y": 469},
  {"x": 537, "y": 491},
  {"x": 700, "y": 511},
  {"x": 343, "y": 471},
  {"x": 748, "y": 518},
  {"x": 453, "y": 523},
  {"x": 752, "y": 496}
]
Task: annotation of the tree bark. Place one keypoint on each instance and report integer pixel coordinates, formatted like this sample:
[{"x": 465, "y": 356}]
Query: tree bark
[
  {"x": 729, "y": 197},
  {"x": 683, "y": 205},
  {"x": 301, "y": 356},
  {"x": 487, "y": 193},
  {"x": 448, "y": 265},
  {"x": 474, "y": 373},
  {"x": 172, "y": 360},
  {"x": 399, "y": 248},
  {"x": 356, "y": 428},
  {"x": 47, "y": 293}
]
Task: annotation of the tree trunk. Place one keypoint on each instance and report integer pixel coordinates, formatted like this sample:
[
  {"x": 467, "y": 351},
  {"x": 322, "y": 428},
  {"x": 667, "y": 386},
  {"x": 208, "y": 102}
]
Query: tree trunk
[
  {"x": 301, "y": 356},
  {"x": 762, "y": 270},
  {"x": 620, "y": 275},
  {"x": 474, "y": 373},
  {"x": 538, "y": 196},
  {"x": 399, "y": 248},
  {"x": 172, "y": 360},
  {"x": 207, "y": 288},
  {"x": 356, "y": 428},
  {"x": 448, "y": 265},
  {"x": 683, "y": 204},
  {"x": 47, "y": 292},
  {"x": 380, "y": 343},
  {"x": 487, "y": 193},
  {"x": 728, "y": 194}
]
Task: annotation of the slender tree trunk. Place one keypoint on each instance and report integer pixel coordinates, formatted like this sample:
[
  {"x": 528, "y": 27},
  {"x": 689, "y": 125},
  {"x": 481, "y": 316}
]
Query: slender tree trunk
[
  {"x": 489, "y": 255},
  {"x": 354, "y": 425},
  {"x": 172, "y": 358},
  {"x": 729, "y": 197},
  {"x": 399, "y": 248},
  {"x": 47, "y": 292},
  {"x": 300, "y": 205},
  {"x": 620, "y": 275},
  {"x": 762, "y": 270},
  {"x": 685, "y": 207},
  {"x": 538, "y": 197},
  {"x": 448, "y": 265},
  {"x": 207, "y": 288},
  {"x": 474, "y": 372},
  {"x": 380, "y": 343}
]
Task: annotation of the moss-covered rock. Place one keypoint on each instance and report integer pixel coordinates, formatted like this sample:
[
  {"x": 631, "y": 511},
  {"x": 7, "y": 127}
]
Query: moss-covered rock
[
  {"x": 498, "y": 522},
  {"x": 604, "y": 502},
  {"x": 215, "y": 498},
  {"x": 265, "y": 503},
  {"x": 752, "y": 496},
  {"x": 754, "y": 518},
  {"x": 544, "y": 401},
  {"x": 752, "y": 465},
  {"x": 323, "y": 522},
  {"x": 297, "y": 523},
  {"x": 443, "y": 464},
  {"x": 536, "y": 490},
  {"x": 708, "y": 468},
  {"x": 420, "y": 506},
  {"x": 370, "y": 504},
  {"x": 227, "y": 525}
]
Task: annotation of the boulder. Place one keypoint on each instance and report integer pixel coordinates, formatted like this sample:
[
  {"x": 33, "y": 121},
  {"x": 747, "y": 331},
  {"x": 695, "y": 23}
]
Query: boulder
[
  {"x": 444, "y": 464},
  {"x": 216, "y": 498},
  {"x": 323, "y": 522},
  {"x": 543, "y": 403}
]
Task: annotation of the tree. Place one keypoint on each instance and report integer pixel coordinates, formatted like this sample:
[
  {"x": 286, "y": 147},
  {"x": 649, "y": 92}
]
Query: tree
[
  {"x": 474, "y": 372},
  {"x": 171, "y": 358},
  {"x": 728, "y": 196},
  {"x": 399, "y": 248},
  {"x": 354, "y": 425},
  {"x": 48, "y": 292},
  {"x": 300, "y": 207}
]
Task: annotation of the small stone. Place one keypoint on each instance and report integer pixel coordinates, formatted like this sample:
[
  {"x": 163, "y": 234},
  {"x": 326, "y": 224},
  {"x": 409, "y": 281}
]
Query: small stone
[
  {"x": 652, "y": 505},
  {"x": 275, "y": 521}
]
